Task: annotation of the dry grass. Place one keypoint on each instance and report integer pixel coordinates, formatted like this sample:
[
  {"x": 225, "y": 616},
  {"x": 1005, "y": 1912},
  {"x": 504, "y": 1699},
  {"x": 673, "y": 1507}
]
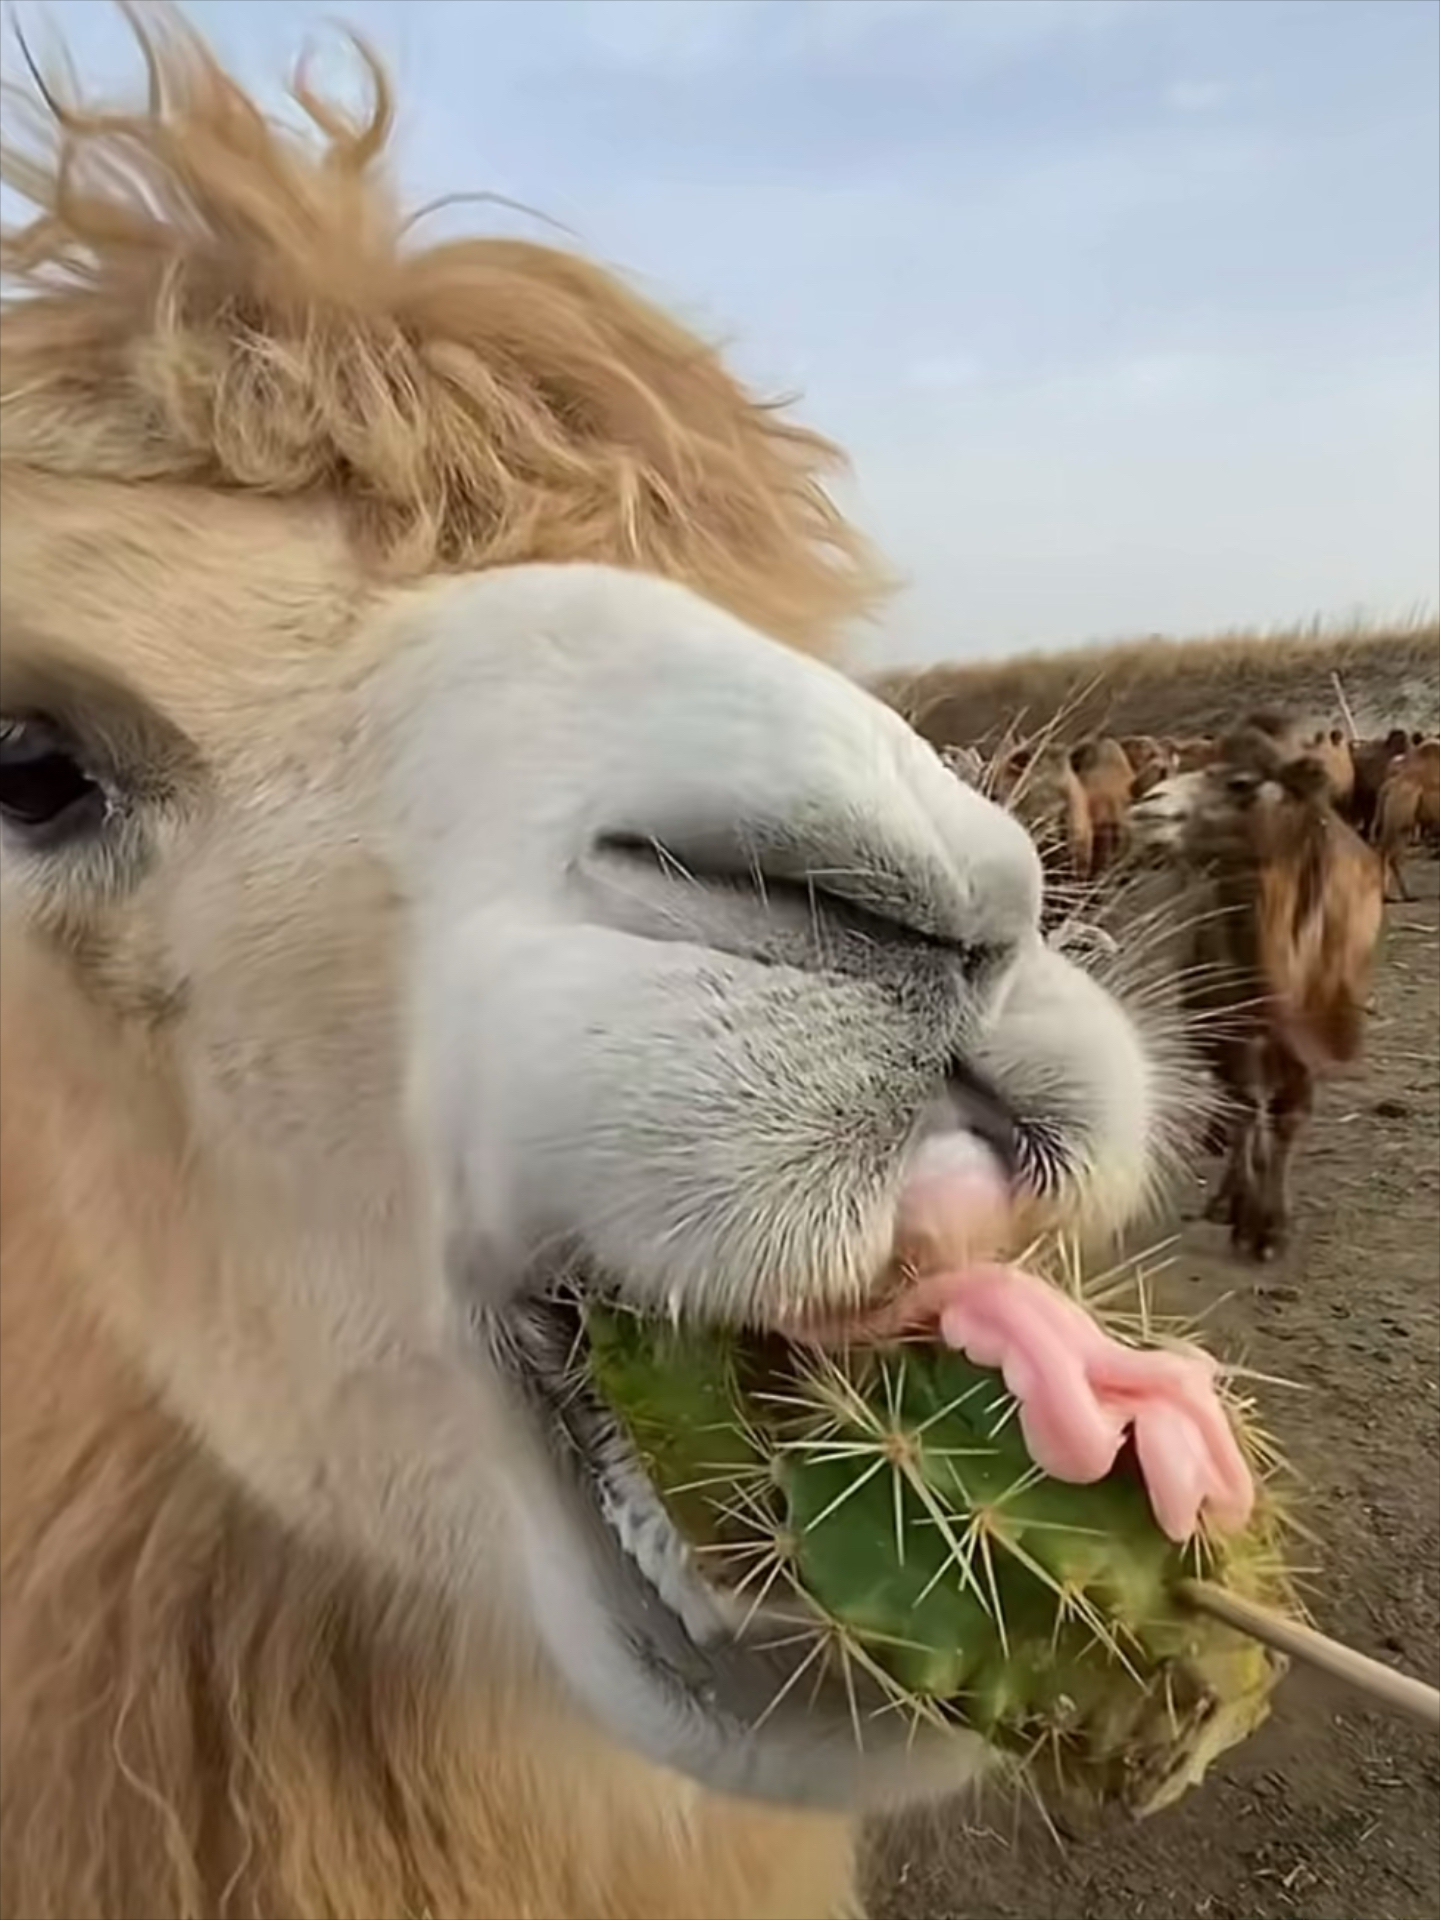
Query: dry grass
[{"x": 1390, "y": 674}]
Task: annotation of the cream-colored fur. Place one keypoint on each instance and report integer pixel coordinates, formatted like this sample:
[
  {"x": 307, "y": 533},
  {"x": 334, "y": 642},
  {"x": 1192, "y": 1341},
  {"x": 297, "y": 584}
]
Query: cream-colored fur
[{"x": 418, "y": 617}]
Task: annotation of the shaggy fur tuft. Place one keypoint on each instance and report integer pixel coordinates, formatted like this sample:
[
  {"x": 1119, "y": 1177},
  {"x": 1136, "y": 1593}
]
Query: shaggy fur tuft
[{"x": 215, "y": 299}]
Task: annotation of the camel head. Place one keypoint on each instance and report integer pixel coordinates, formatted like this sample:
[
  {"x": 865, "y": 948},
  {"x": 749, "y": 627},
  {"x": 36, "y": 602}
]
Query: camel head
[
  {"x": 441, "y": 873},
  {"x": 1260, "y": 786}
]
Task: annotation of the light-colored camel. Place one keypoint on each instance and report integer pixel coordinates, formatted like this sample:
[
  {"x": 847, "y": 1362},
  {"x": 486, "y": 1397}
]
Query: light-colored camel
[
  {"x": 1040, "y": 787},
  {"x": 1108, "y": 780},
  {"x": 1408, "y": 808},
  {"x": 434, "y": 865}
]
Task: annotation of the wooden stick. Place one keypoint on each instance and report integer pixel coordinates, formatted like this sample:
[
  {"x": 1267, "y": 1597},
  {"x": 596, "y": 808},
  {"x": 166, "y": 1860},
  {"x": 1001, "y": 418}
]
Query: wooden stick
[
  {"x": 1345, "y": 707},
  {"x": 1397, "y": 1690}
]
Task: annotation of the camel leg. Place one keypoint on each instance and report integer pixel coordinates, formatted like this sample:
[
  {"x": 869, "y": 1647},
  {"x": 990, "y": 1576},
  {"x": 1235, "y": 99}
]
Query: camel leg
[
  {"x": 1230, "y": 1202},
  {"x": 1291, "y": 1105},
  {"x": 1249, "y": 1183}
]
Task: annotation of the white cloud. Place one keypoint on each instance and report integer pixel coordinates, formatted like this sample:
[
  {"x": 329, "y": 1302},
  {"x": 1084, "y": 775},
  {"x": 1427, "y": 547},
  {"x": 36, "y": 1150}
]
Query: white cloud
[
  {"x": 986, "y": 33},
  {"x": 686, "y": 37},
  {"x": 678, "y": 38},
  {"x": 1196, "y": 96},
  {"x": 1058, "y": 515},
  {"x": 944, "y": 372},
  {"x": 1164, "y": 376}
]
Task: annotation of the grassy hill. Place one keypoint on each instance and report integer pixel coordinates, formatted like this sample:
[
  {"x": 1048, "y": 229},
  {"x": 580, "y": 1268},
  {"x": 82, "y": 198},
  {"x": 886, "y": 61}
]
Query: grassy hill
[{"x": 1390, "y": 676}]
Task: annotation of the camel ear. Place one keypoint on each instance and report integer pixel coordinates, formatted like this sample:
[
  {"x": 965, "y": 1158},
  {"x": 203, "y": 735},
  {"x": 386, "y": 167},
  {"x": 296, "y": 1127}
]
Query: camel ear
[
  {"x": 1337, "y": 736},
  {"x": 1250, "y": 747}
]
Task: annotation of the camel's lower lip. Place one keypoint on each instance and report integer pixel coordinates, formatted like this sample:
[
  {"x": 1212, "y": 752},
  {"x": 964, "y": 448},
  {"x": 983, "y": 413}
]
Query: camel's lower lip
[
  {"x": 954, "y": 1210},
  {"x": 543, "y": 1343}
]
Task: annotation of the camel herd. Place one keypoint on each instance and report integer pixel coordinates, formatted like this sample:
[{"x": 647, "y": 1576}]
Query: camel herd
[
  {"x": 1287, "y": 839},
  {"x": 1077, "y": 799}
]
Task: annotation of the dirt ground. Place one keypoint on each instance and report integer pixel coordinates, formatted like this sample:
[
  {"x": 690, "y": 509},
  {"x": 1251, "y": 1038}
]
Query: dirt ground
[{"x": 1333, "y": 1810}]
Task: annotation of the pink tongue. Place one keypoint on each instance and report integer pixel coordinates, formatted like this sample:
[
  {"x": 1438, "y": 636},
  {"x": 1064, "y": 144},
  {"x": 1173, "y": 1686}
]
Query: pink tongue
[{"x": 1080, "y": 1392}]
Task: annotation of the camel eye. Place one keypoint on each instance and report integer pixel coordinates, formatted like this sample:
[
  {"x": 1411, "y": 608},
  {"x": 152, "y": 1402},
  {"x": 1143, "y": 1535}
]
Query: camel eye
[{"x": 44, "y": 788}]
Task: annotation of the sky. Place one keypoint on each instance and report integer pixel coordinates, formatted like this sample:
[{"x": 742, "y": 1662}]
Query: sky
[{"x": 1126, "y": 311}]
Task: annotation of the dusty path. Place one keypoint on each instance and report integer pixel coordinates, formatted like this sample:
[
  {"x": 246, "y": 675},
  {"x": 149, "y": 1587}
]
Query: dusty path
[{"x": 1333, "y": 1812}]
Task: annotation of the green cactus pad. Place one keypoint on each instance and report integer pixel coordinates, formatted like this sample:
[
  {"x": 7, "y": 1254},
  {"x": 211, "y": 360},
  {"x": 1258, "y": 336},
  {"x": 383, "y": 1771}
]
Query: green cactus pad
[{"x": 892, "y": 1490}]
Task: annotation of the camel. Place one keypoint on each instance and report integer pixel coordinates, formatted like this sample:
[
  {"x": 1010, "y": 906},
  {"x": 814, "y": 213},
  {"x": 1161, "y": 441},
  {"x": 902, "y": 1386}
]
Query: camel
[
  {"x": 1152, "y": 761},
  {"x": 1408, "y": 807},
  {"x": 445, "y": 869},
  {"x": 1041, "y": 789},
  {"x": 1108, "y": 780},
  {"x": 1282, "y": 946},
  {"x": 1333, "y": 750},
  {"x": 1374, "y": 761},
  {"x": 1194, "y": 754}
]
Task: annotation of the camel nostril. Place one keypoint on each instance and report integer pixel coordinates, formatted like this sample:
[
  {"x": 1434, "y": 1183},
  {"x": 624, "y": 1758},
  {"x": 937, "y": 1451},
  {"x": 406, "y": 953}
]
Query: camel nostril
[{"x": 984, "y": 1112}]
